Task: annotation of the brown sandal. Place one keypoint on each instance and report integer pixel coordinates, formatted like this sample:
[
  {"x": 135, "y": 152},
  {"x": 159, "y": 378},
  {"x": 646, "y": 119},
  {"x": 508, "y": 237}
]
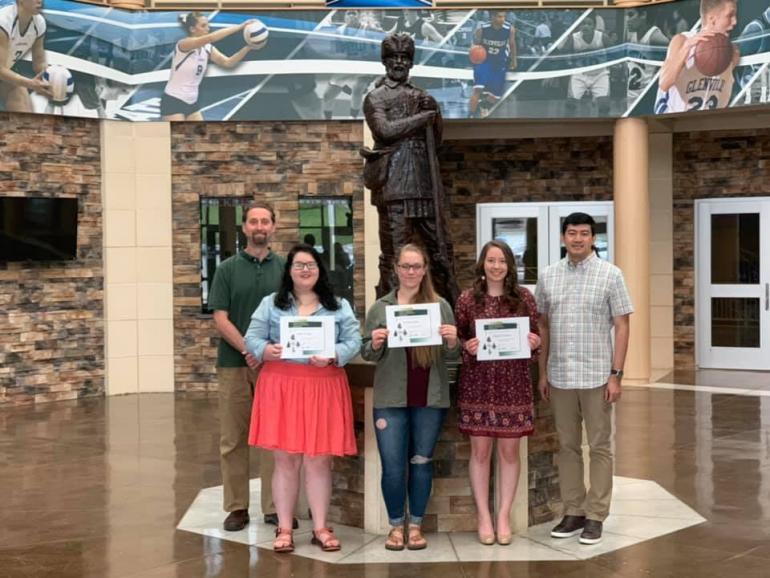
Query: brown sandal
[
  {"x": 327, "y": 541},
  {"x": 416, "y": 541},
  {"x": 395, "y": 539},
  {"x": 280, "y": 544}
]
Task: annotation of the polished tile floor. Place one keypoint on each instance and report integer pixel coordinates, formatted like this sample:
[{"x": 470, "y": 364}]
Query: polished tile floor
[
  {"x": 640, "y": 510},
  {"x": 96, "y": 488}
]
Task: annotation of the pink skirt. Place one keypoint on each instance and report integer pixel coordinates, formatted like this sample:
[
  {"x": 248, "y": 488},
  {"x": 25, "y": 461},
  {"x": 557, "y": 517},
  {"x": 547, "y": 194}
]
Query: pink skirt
[{"x": 303, "y": 409}]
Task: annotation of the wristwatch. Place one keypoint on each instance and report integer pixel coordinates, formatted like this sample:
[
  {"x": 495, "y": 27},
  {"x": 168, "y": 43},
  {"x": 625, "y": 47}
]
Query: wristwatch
[{"x": 617, "y": 372}]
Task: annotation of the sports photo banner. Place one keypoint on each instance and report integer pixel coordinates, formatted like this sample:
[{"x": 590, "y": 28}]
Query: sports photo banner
[{"x": 90, "y": 61}]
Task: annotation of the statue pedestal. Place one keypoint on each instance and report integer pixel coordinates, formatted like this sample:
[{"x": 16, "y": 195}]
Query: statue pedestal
[{"x": 357, "y": 499}]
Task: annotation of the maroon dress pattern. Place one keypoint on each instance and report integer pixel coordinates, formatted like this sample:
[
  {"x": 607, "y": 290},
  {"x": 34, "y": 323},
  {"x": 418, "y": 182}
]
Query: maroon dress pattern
[{"x": 494, "y": 398}]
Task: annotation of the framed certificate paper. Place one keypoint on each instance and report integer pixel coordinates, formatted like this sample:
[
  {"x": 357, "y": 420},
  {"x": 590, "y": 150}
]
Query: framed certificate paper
[
  {"x": 504, "y": 338},
  {"x": 303, "y": 337},
  {"x": 413, "y": 325}
]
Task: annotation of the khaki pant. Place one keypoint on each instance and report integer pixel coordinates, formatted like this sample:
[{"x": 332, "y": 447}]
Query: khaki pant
[
  {"x": 236, "y": 395},
  {"x": 572, "y": 407}
]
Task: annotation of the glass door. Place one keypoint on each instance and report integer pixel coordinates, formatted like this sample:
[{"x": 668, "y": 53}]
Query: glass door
[
  {"x": 733, "y": 283},
  {"x": 524, "y": 227},
  {"x": 602, "y": 212},
  {"x": 533, "y": 231}
]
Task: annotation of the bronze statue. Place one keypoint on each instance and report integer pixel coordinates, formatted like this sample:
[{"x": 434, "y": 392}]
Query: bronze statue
[{"x": 402, "y": 169}]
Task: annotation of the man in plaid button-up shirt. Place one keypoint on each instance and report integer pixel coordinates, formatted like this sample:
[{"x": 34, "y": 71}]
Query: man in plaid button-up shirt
[{"x": 581, "y": 299}]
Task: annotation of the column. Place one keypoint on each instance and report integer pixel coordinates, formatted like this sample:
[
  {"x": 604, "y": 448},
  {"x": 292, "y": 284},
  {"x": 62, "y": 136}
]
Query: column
[
  {"x": 632, "y": 236},
  {"x": 138, "y": 288}
]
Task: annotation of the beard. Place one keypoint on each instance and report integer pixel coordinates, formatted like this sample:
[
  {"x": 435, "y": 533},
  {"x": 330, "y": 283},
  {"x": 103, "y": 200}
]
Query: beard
[{"x": 259, "y": 239}]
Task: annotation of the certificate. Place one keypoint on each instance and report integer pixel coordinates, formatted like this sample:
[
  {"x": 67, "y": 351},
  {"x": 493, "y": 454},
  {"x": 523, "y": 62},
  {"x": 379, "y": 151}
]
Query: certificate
[
  {"x": 413, "y": 325},
  {"x": 504, "y": 338},
  {"x": 303, "y": 337}
]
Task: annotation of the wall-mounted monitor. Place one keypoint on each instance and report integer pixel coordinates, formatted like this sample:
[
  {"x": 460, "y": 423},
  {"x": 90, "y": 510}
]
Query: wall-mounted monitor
[{"x": 38, "y": 228}]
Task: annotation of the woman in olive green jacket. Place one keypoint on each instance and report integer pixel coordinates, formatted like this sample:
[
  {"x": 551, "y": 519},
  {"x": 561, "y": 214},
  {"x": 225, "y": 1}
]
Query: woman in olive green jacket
[{"x": 411, "y": 396}]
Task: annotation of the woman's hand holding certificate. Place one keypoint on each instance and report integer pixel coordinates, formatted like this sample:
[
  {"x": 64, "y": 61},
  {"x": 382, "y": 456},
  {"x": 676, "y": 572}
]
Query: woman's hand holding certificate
[{"x": 379, "y": 337}]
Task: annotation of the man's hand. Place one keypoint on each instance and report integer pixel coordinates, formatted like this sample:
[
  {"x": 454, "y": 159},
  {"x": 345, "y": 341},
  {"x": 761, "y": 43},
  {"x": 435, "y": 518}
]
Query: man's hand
[
  {"x": 251, "y": 361},
  {"x": 544, "y": 387},
  {"x": 612, "y": 393}
]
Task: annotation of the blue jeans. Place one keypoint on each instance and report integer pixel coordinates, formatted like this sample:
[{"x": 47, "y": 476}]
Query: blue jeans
[{"x": 407, "y": 435}]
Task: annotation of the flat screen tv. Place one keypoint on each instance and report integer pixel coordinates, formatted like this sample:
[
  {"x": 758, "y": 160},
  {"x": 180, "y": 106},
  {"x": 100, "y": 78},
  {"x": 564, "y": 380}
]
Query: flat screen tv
[{"x": 38, "y": 228}]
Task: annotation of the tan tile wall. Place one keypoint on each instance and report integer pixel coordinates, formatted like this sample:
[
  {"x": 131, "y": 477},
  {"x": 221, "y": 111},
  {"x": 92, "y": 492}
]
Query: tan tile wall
[
  {"x": 661, "y": 265},
  {"x": 138, "y": 272}
]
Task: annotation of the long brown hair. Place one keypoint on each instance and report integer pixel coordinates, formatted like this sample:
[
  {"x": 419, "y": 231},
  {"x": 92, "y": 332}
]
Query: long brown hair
[
  {"x": 428, "y": 355},
  {"x": 511, "y": 293}
]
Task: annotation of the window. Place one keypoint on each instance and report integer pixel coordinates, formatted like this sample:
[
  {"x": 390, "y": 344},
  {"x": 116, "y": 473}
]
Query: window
[
  {"x": 327, "y": 225},
  {"x": 221, "y": 237}
]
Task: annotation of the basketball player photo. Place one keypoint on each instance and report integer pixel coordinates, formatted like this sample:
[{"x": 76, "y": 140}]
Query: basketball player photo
[
  {"x": 22, "y": 30},
  {"x": 498, "y": 38},
  {"x": 698, "y": 71},
  {"x": 356, "y": 25},
  {"x": 595, "y": 83},
  {"x": 640, "y": 32}
]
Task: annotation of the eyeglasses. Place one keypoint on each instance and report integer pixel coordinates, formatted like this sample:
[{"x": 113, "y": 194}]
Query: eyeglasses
[
  {"x": 406, "y": 267},
  {"x": 297, "y": 266}
]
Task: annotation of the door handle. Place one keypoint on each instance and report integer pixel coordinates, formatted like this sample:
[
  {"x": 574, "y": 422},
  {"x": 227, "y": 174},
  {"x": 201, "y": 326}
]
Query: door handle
[{"x": 767, "y": 296}]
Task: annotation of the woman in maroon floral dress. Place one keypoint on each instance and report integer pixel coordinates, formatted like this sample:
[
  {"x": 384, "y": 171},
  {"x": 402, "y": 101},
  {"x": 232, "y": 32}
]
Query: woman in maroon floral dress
[{"x": 495, "y": 397}]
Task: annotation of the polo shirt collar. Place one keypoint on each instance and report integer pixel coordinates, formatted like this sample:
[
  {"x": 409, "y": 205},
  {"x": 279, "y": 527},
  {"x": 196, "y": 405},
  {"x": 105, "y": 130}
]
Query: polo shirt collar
[{"x": 253, "y": 259}]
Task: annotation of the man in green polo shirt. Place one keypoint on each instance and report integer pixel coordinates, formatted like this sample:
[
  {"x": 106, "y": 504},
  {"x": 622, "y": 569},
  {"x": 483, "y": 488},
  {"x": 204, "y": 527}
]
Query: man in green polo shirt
[{"x": 239, "y": 285}]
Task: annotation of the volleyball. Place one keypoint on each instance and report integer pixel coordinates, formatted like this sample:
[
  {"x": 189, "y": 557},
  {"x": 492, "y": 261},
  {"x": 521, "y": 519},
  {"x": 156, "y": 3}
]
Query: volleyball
[
  {"x": 255, "y": 34},
  {"x": 61, "y": 82}
]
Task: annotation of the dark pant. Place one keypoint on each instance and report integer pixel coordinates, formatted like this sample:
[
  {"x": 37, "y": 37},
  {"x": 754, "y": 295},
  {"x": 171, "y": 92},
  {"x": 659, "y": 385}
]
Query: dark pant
[{"x": 407, "y": 434}]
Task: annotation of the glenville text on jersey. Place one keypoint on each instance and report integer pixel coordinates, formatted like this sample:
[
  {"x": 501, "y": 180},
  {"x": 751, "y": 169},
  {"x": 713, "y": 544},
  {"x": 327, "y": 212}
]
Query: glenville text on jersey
[{"x": 709, "y": 84}]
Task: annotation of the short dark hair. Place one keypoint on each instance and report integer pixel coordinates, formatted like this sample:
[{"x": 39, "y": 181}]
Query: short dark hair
[
  {"x": 579, "y": 219},
  {"x": 258, "y": 205}
]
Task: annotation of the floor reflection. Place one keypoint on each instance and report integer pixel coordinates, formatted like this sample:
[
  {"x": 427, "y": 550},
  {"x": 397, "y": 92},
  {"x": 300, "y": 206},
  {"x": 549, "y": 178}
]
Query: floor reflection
[{"x": 95, "y": 488}]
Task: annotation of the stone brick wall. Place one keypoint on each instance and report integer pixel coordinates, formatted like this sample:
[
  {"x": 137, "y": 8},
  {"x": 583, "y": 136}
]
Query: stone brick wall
[
  {"x": 708, "y": 165},
  {"x": 277, "y": 162},
  {"x": 51, "y": 313},
  {"x": 516, "y": 171},
  {"x": 496, "y": 171}
]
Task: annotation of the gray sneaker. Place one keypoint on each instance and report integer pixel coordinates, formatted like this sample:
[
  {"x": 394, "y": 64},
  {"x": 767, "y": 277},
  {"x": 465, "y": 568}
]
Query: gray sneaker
[
  {"x": 568, "y": 527},
  {"x": 592, "y": 532}
]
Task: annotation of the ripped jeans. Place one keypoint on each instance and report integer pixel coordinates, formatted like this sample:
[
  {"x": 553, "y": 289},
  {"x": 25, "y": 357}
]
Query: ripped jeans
[{"x": 407, "y": 434}]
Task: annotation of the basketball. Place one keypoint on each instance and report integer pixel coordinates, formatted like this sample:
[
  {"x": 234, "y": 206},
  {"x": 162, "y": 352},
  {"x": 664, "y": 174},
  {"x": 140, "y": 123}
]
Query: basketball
[
  {"x": 714, "y": 55},
  {"x": 61, "y": 82},
  {"x": 255, "y": 34},
  {"x": 477, "y": 54}
]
